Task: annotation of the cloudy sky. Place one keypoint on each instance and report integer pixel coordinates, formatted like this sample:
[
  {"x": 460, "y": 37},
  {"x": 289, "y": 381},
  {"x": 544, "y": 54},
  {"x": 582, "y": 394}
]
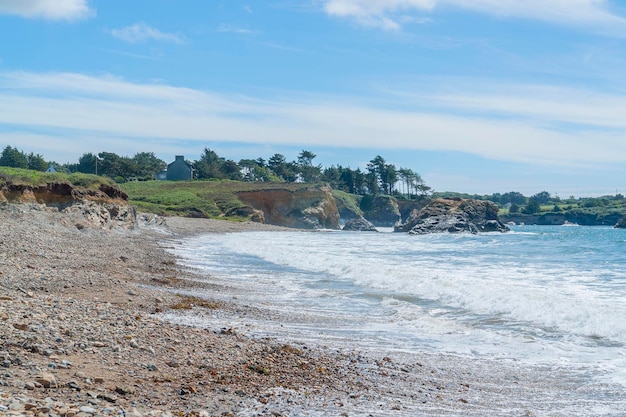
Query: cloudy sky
[{"x": 478, "y": 96}]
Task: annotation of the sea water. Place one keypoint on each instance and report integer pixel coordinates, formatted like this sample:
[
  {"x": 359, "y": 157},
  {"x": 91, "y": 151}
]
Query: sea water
[{"x": 543, "y": 295}]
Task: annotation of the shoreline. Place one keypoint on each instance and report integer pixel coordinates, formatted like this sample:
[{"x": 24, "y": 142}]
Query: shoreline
[{"x": 81, "y": 335}]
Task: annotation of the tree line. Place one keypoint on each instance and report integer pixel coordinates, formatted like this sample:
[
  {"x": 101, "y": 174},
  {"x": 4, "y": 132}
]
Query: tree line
[
  {"x": 543, "y": 201},
  {"x": 379, "y": 177}
]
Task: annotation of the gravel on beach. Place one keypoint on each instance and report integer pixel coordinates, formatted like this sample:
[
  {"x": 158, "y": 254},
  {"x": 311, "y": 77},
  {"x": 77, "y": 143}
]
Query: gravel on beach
[{"x": 81, "y": 335}]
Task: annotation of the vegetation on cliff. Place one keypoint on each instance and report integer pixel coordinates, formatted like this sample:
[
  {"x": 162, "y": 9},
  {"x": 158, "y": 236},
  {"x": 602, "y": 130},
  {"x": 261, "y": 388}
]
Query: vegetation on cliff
[
  {"x": 210, "y": 199},
  {"x": 356, "y": 192},
  {"x": 32, "y": 178},
  {"x": 545, "y": 209}
]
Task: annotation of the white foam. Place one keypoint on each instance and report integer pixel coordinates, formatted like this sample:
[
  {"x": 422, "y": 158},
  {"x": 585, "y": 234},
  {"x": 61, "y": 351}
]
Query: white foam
[{"x": 528, "y": 294}]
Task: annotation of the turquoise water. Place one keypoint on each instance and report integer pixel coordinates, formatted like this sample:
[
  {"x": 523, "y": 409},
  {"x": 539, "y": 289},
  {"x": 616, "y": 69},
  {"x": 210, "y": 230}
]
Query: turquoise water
[{"x": 540, "y": 294}]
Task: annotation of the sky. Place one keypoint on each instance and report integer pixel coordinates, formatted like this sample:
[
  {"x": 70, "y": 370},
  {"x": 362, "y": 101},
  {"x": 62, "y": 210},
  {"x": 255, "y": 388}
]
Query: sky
[{"x": 477, "y": 96}]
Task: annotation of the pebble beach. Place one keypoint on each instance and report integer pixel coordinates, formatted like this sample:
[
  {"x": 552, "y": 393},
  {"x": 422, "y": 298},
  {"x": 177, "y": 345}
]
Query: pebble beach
[{"x": 82, "y": 334}]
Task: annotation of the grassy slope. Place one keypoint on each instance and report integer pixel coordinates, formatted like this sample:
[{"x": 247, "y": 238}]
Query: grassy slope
[
  {"x": 214, "y": 199},
  {"x": 350, "y": 201}
]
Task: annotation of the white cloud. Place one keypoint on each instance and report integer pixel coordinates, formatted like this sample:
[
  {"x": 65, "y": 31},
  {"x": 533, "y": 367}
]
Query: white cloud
[
  {"x": 224, "y": 27},
  {"x": 111, "y": 108},
  {"x": 141, "y": 32},
  {"x": 389, "y": 14},
  {"x": 376, "y": 12},
  {"x": 47, "y": 9}
]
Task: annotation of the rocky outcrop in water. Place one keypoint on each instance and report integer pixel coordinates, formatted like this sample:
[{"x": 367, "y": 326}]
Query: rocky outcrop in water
[
  {"x": 621, "y": 224},
  {"x": 304, "y": 207},
  {"x": 359, "y": 225},
  {"x": 454, "y": 215}
]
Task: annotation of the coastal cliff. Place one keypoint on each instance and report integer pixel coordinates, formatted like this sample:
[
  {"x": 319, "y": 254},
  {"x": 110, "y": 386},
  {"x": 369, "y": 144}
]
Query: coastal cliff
[
  {"x": 381, "y": 210},
  {"x": 305, "y": 208},
  {"x": 105, "y": 207},
  {"x": 557, "y": 219},
  {"x": 454, "y": 215}
]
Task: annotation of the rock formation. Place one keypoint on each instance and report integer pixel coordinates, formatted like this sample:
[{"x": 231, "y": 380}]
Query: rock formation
[
  {"x": 105, "y": 207},
  {"x": 359, "y": 225},
  {"x": 406, "y": 207},
  {"x": 454, "y": 215},
  {"x": 381, "y": 210},
  {"x": 304, "y": 207},
  {"x": 621, "y": 224},
  {"x": 348, "y": 211}
]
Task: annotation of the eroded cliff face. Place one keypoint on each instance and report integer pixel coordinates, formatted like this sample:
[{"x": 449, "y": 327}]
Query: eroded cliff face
[
  {"x": 106, "y": 207},
  {"x": 304, "y": 208}
]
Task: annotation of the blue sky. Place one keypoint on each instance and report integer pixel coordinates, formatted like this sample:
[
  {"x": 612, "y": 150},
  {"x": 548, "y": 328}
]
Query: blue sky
[{"x": 478, "y": 96}]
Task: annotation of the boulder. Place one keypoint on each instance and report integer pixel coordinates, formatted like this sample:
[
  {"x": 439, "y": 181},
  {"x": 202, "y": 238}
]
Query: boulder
[
  {"x": 359, "y": 225},
  {"x": 454, "y": 215},
  {"x": 621, "y": 224}
]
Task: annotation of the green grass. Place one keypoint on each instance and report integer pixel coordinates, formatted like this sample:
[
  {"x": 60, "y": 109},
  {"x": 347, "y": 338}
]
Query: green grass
[
  {"x": 212, "y": 199},
  {"x": 18, "y": 176},
  {"x": 351, "y": 201}
]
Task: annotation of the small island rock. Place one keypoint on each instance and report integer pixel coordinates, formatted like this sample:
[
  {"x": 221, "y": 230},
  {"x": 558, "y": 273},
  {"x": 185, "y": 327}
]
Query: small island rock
[
  {"x": 454, "y": 215},
  {"x": 359, "y": 225}
]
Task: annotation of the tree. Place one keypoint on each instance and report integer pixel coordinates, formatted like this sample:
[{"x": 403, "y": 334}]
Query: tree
[
  {"x": 388, "y": 178},
  {"x": 11, "y": 157},
  {"x": 281, "y": 168},
  {"x": 513, "y": 197},
  {"x": 374, "y": 174},
  {"x": 372, "y": 183},
  {"x": 247, "y": 167},
  {"x": 419, "y": 186},
  {"x": 36, "y": 162},
  {"x": 208, "y": 166},
  {"x": 148, "y": 165},
  {"x": 119, "y": 168},
  {"x": 532, "y": 207},
  {"x": 306, "y": 170},
  {"x": 359, "y": 182},
  {"x": 87, "y": 164},
  {"x": 385, "y": 174},
  {"x": 230, "y": 170},
  {"x": 542, "y": 197},
  {"x": 405, "y": 174},
  {"x": 332, "y": 175}
]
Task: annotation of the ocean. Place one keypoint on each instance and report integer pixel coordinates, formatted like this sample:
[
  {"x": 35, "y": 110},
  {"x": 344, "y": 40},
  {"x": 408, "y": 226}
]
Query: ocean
[{"x": 552, "y": 296}]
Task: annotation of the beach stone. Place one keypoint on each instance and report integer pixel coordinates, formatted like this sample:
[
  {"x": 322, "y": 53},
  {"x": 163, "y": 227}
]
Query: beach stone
[
  {"x": 123, "y": 390},
  {"x": 88, "y": 410},
  {"x": 47, "y": 380},
  {"x": 21, "y": 326},
  {"x": 133, "y": 412}
]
